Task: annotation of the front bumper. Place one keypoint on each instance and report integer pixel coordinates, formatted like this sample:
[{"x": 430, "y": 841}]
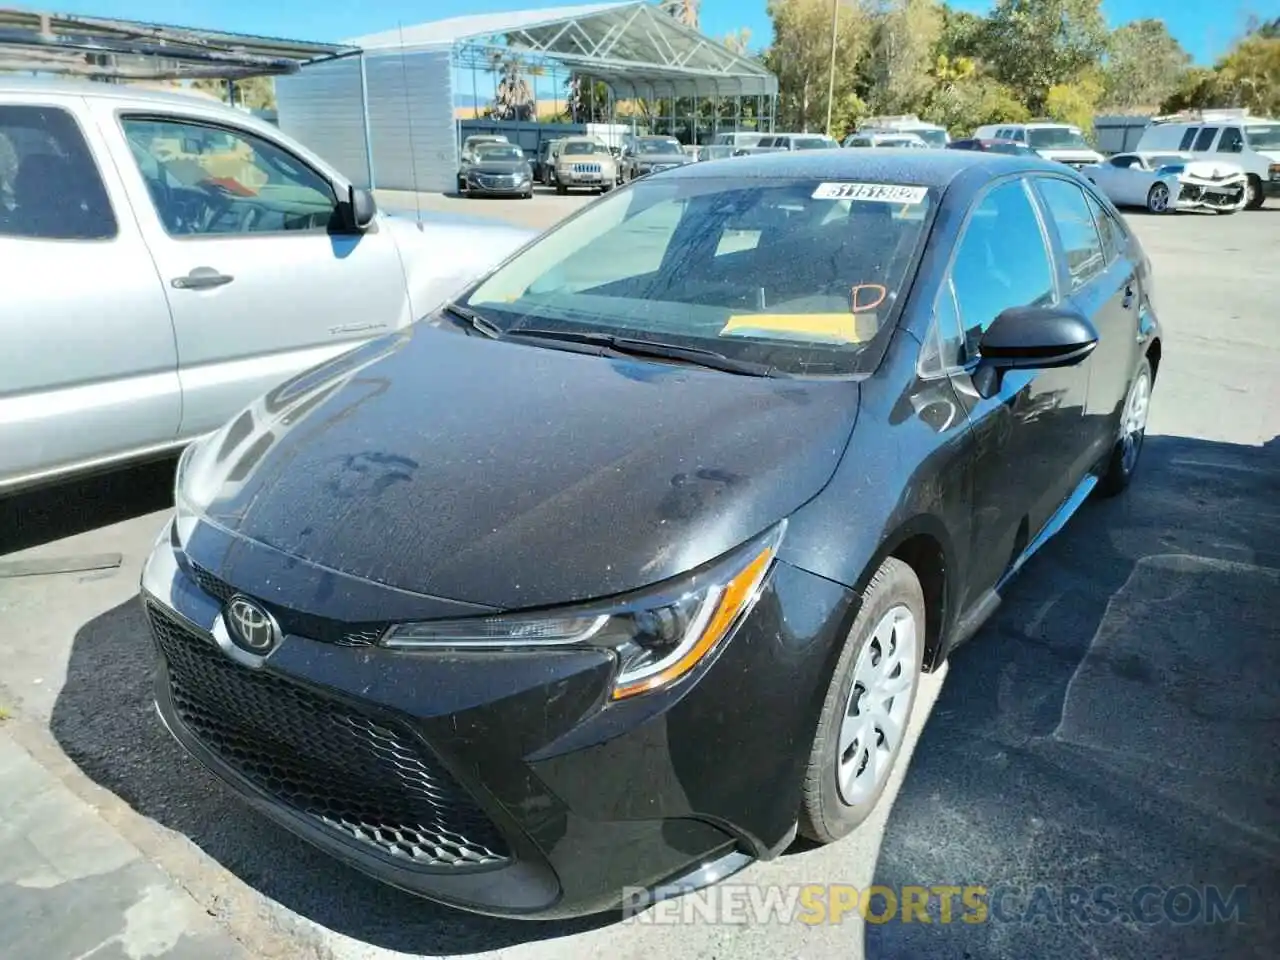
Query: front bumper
[
  {"x": 1196, "y": 194},
  {"x": 499, "y": 783}
]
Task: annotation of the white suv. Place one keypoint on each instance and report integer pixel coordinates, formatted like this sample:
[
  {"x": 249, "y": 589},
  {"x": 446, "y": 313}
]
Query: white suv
[
  {"x": 1053, "y": 141},
  {"x": 1251, "y": 143}
]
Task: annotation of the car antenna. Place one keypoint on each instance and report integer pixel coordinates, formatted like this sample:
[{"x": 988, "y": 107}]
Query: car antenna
[{"x": 408, "y": 115}]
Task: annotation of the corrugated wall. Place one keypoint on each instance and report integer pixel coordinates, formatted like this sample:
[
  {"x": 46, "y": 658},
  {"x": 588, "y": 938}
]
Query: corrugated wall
[
  {"x": 323, "y": 106},
  {"x": 411, "y": 123}
]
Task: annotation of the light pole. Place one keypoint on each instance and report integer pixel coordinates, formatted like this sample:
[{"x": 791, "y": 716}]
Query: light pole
[{"x": 831, "y": 77}]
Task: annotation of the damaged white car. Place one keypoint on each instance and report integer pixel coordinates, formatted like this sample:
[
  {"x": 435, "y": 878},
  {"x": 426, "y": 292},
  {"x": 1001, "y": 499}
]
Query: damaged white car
[{"x": 1164, "y": 182}]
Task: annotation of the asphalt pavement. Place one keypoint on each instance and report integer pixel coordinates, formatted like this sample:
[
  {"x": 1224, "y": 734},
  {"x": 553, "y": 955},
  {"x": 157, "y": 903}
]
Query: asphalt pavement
[{"x": 1097, "y": 771}]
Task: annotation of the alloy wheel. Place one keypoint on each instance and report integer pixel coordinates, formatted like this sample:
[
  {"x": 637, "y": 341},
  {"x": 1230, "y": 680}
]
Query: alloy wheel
[
  {"x": 1133, "y": 425},
  {"x": 1158, "y": 199},
  {"x": 875, "y": 717}
]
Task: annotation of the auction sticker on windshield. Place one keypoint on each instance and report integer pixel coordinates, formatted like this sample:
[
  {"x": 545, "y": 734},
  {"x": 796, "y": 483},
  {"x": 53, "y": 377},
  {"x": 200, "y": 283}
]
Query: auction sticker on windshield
[{"x": 881, "y": 192}]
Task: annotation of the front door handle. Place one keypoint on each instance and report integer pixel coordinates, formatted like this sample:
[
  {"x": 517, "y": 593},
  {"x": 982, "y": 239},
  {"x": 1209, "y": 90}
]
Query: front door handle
[
  {"x": 1127, "y": 302},
  {"x": 201, "y": 278}
]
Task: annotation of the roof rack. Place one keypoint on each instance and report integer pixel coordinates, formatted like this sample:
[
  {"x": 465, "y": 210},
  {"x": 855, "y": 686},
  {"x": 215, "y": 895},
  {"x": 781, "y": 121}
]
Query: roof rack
[{"x": 1204, "y": 116}]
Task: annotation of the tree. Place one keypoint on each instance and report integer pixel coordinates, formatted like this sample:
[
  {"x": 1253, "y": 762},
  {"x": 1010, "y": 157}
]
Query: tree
[
  {"x": 587, "y": 101},
  {"x": 903, "y": 49},
  {"x": 1197, "y": 89},
  {"x": 738, "y": 41},
  {"x": 257, "y": 93},
  {"x": 1249, "y": 76},
  {"x": 1075, "y": 103},
  {"x": 1143, "y": 67},
  {"x": 686, "y": 11},
  {"x": 1033, "y": 45},
  {"x": 961, "y": 34},
  {"x": 963, "y": 98},
  {"x": 800, "y": 57},
  {"x": 513, "y": 97}
]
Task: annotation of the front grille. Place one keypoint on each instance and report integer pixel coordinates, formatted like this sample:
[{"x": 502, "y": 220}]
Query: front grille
[
  {"x": 497, "y": 182},
  {"x": 314, "y": 628},
  {"x": 364, "y": 779},
  {"x": 587, "y": 168}
]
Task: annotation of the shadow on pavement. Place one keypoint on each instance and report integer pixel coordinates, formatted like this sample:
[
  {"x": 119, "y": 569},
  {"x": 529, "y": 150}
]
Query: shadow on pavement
[
  {"x": 74, "y": 506},
  {"x": 1111, "y": 735}
]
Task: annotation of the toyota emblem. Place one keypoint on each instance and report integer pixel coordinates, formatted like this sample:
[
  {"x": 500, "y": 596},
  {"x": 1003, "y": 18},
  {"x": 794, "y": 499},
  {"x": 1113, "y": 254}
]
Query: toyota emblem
[{"x": 251, "y": 627}]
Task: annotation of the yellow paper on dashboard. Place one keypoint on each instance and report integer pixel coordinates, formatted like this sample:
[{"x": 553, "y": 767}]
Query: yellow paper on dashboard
[{"x": 829, "y": 326}]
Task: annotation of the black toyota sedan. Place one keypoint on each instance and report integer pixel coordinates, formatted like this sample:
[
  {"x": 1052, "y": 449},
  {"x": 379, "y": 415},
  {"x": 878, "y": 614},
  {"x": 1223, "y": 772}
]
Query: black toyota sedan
[{"x": 622, "y": 569}]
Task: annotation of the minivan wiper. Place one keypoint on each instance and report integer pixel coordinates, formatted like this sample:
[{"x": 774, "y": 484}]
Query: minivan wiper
[
  {"x": 471, "y": 320},
  {"x": 627, "y": 346}
]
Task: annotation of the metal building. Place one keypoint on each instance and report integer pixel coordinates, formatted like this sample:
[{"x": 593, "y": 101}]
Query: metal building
[{"x": 385, "y": 113}]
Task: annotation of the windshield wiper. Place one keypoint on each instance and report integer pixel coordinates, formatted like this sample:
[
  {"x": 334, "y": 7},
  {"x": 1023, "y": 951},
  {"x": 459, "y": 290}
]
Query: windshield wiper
[
  {"x": 627, "y": 346},
  {"x": 471, "y": 320}
]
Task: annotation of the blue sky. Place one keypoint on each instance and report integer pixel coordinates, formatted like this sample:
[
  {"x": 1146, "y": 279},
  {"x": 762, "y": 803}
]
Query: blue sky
[{"x": 1205, "y": 27}]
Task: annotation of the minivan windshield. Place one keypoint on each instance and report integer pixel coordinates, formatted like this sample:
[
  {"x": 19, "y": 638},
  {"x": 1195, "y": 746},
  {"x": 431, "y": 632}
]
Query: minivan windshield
[
  {"x": 1055, "y": 138},
  {"x": 1264, "y": 137},
  {"x": 798, "y": 276},
  {"x": 658, "y": 146},
  {"x": 934, "y": 138}
]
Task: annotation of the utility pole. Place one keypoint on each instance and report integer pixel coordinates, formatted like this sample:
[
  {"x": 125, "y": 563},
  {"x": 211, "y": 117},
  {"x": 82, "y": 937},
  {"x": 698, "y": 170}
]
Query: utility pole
[{"x": 831, "y": 78}]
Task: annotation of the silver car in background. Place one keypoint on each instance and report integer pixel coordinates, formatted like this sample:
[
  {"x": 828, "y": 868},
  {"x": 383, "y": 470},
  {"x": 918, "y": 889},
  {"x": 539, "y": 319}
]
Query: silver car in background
[{"x": 166, "y": 260}]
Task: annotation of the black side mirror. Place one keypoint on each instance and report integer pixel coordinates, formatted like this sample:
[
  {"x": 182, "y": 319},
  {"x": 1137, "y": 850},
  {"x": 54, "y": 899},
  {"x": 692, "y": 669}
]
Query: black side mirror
[
  {"x": 1032, "y": 338},
  {"x": 361, "y": 207}
]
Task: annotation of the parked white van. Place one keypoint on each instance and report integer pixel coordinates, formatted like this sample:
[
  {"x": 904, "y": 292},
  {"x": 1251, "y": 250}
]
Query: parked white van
[
  {"x": 1252, "y": 143},
  {"x": 1052, "y": 140},
  {"x": 933, "y": 134}
]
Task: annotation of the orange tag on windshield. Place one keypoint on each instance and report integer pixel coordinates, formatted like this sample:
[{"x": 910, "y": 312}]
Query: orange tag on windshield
[{"x": 867, "y": 296}]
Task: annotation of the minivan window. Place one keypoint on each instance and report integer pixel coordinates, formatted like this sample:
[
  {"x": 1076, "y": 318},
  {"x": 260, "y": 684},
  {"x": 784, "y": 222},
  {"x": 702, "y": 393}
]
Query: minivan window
[
  {"x": 50, "y": 187},
  {"x": 1205, "y": 138},
  {"x": 1002, "y": 261},
  {"x": 1231, "y": 141},
  {"x": 1264, "y": 137},
  {"x": 1188, "y": 138},
  {"x": 1069, "y": 212},
  {"x": 1056, "y": 138},
  {"x": 812, "y": 275}
]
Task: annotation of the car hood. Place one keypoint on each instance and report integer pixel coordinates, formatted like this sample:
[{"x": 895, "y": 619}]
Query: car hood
[
  {"x": 513, "y": 476},
  {"x": 499, "y": 166},
  {"x": 1212, "y": 170},
  {"x": 444, "y": 253}
]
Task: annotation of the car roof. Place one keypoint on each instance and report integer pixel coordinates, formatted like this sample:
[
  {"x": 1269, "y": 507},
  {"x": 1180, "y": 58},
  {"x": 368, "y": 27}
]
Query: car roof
[
  {"x": 114, "y": 91},
  {"x": 926, "y": 168}
]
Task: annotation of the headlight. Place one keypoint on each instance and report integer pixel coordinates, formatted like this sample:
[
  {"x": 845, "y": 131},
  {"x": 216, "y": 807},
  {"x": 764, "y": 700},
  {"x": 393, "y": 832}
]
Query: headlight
[{"x": 658, "y": 636}]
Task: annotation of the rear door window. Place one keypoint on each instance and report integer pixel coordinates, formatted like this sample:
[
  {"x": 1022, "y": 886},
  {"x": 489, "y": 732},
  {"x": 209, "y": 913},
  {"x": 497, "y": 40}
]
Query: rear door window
[
  {"x": 1231, "y": 141},
  {"x": 1188, "y": 138},
  {"x": 1205, "y": 138},
  {"x": 50, "y": 187}
]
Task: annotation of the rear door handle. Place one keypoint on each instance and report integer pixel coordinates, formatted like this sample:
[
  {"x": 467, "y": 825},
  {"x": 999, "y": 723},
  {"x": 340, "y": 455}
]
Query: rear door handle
[
  {"x": 201, "y": 278},
  {"x": 1127, "y": 302}
]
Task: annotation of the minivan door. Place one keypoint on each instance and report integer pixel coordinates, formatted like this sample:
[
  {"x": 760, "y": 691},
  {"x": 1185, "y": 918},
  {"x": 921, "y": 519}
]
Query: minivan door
[{"x": 262, "y": 280}]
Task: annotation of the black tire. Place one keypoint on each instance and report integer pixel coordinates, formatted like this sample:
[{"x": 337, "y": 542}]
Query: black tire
[
  {"x": 528, "y": 195},
  {"x": 825, "y": 817},
  {"x": 561, "y": 189},
  {"x": 1256, "y": 195},
  {"x": 1159, "y": 200},
  {"x": 1119, "y": 471}
]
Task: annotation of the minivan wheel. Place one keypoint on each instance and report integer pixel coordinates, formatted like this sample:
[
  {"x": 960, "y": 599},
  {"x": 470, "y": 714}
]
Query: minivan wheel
[
  {"x": 1133, "y": 431},
  {"x": 867, "y": 707}
]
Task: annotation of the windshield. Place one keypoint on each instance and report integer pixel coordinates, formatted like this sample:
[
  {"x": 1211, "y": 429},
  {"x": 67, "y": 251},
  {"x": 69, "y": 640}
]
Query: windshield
[
  {"x": 1264, "y": 138},
  {"x": 797, "y": 275},
  {"x": 934, "y": 138},
  {"x": 658, "y": 146},
  {"x": 580, "y": 149},
  {"x": 1056, "y": 138},
  {"x": 500, "y": 152}
]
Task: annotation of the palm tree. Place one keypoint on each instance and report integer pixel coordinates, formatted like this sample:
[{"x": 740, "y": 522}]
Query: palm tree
[
  {"x": 686, "y": 11},
  {"x": 513, "y": 97}
]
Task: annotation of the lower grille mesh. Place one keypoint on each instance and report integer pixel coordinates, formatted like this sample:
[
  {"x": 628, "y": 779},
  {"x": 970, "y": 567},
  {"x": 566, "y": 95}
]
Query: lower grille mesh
[{"x": 353, "y": 775}]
